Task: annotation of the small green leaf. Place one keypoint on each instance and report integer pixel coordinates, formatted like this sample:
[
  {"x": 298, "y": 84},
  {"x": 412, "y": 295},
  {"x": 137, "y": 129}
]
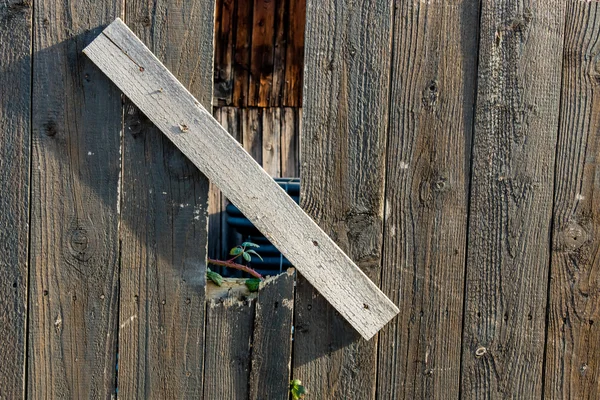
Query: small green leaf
[
  {"x": 213, "y": 276},
  {"x": 250, "y": 244},
  {"x": 297, "y": 390},
  {"x": 255, "y": 253},
  {"x": 247, "y": 257},
  {"x": 236, "y": 251},
  {"x": 253, "y": 284}
]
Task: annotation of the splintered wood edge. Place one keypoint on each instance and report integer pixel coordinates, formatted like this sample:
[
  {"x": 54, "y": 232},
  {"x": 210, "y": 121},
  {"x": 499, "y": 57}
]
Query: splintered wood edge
[{"x": 170, "y": 106}]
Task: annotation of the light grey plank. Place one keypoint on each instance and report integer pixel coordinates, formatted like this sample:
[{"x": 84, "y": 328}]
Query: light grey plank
[{"x": 141, "y": 76}]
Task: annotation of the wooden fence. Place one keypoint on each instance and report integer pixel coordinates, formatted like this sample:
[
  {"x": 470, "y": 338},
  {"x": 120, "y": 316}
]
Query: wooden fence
[{"x": 451, "y": 148}]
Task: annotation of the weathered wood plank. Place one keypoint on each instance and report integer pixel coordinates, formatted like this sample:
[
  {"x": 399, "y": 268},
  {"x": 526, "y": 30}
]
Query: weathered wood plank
[
  {"x": 192, "y": 129},
  {"x": 281, "y": 26},
  {"x": 573, "y": 347},
  {"x": 261, "y": 58},
  {"x": 15, "y": 126},
  {"x": 164, "y": 220},
  {"x": 232, "y": 116},
  {"x": 294, "y": 59},
  {"x": 252, "y": 132},
  {"x": 272, "y": 340},
  {"x": 343, "y": 171},
  {"x": 74, "y": 250},
  {"x": 243, "y": 40},
  {"x": 290, "y": 134},
  {"x": 271, "y": 136},
  {"x": 431, "y": 122},
  {"x": 518, "y": 94},
  {"x": 215, "y": 203},
  {"x": 223, "y": 91},
  {"x": 229, "y": 326}
]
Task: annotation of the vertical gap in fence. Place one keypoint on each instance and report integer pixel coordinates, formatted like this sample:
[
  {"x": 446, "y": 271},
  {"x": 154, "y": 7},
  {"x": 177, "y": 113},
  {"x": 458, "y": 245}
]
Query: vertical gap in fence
[
  {"x": 430, "y": 130},
  {"x": 74, "y": 211},
  {"x": 15, "y": 151},
  {"x": 511, "y": 197},
  {"x": 342, "y": 173},
  {"x": 572, "y": 367}
]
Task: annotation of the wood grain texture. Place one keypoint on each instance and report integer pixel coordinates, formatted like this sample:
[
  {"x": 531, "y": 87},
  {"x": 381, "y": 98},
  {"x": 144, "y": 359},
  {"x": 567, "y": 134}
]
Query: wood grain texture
[
  {"x": 271, "y": 138},
  {"x": 15, "y": 126},
  {"x": 74, "y": 250},
  {"x": 261, "y": 58},
  {"x": 429, "y": 146},
  {"x": 252, "y": 132},
  {"x": 243, "y": 42},
  {"x": 164, "y": 220},
  {"x": 192, "y": 129},
  {"x": 342, "y": 180},
  {"x": 294, "y": 59},
  {"x": 215, "y": 203},
  {"x": 224, "y": 46},
  {"x": 519, "y": 77},
  {"x": 232, "y": 116},
  {"x": 573, "y": 344},
  {"x": 229, "y": 326},
  {"x": 272, "y": 340},
  {"x": 290, "y": 142},
  {"x": 279, "y": 52}
]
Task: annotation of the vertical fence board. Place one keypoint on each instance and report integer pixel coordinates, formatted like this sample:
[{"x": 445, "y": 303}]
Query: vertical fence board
[
  {"x": 515, "y": 135},
  {"x": 431, "y": 123},
  {"x": 15, "y": 125},
  {"x": 271, "y": 137},
  {"x": 573, "y": 348},
  {"x": 232, "y": 116},
  {"x": 223, "y": 91},
  {"x": 343, "y": 170},
  {"x": 295, "y": 52},
  {"x": 290, "y": 132},
  {"x": 215, "y": 203},
  {"x": 261, "y": 58},
  {"x": 229, "y": 325},
  {"x": 279, "y": 51},
  {"x": 243, "y": 41},
  {"x": 74, "y": 206},
  {"x": 272, "y": 341},
  {"x": 162, "y": 306},
  {"x": 252, "y": 132}
]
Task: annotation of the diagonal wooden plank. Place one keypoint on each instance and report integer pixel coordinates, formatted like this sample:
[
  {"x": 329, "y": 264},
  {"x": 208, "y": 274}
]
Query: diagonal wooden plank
[{"x": 141, "y": 76}]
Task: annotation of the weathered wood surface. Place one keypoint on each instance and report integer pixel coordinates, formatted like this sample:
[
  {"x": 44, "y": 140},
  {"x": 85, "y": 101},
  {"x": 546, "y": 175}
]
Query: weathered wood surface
[
  {"x": 191, "y": 128},
  {"x": 242, "y": 51},
  {"x": 229, "y": 324},
  {"x": 573, "y": 341},
  {"x": 272, "y": 341},
  {"x": 259, "y": 52},
  {"x": 15, "y": 125},
  {"x": 290, "y": 142},
  {"x": 294, "y": 59},
  {"x": 252, "y": 132},
  {"x": 271, "y": 141},
  {"x": 519, "y": 78},
  {"x": 74, "y": 271},
  {"x": 164, "y": 219},
  {"x": 431, "y": 122},
  {"x": 261, "y": 57},
  {"x": 342, "y": 188}
]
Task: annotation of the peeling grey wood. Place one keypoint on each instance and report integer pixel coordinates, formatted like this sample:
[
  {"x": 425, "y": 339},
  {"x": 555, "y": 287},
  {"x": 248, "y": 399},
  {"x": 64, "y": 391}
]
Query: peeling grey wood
[
  {"x": 15, "y": 125},
  {"x": 191, "y": 128}
]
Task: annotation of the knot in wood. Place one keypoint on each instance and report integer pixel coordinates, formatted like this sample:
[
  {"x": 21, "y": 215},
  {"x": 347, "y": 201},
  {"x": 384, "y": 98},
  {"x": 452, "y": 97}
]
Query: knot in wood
[
  {"x": 574, "y": 236},
  {"x": 480, "y": 351},
  {"x": 80, "y": 244},
  {"x": 431, "y": 94}
]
